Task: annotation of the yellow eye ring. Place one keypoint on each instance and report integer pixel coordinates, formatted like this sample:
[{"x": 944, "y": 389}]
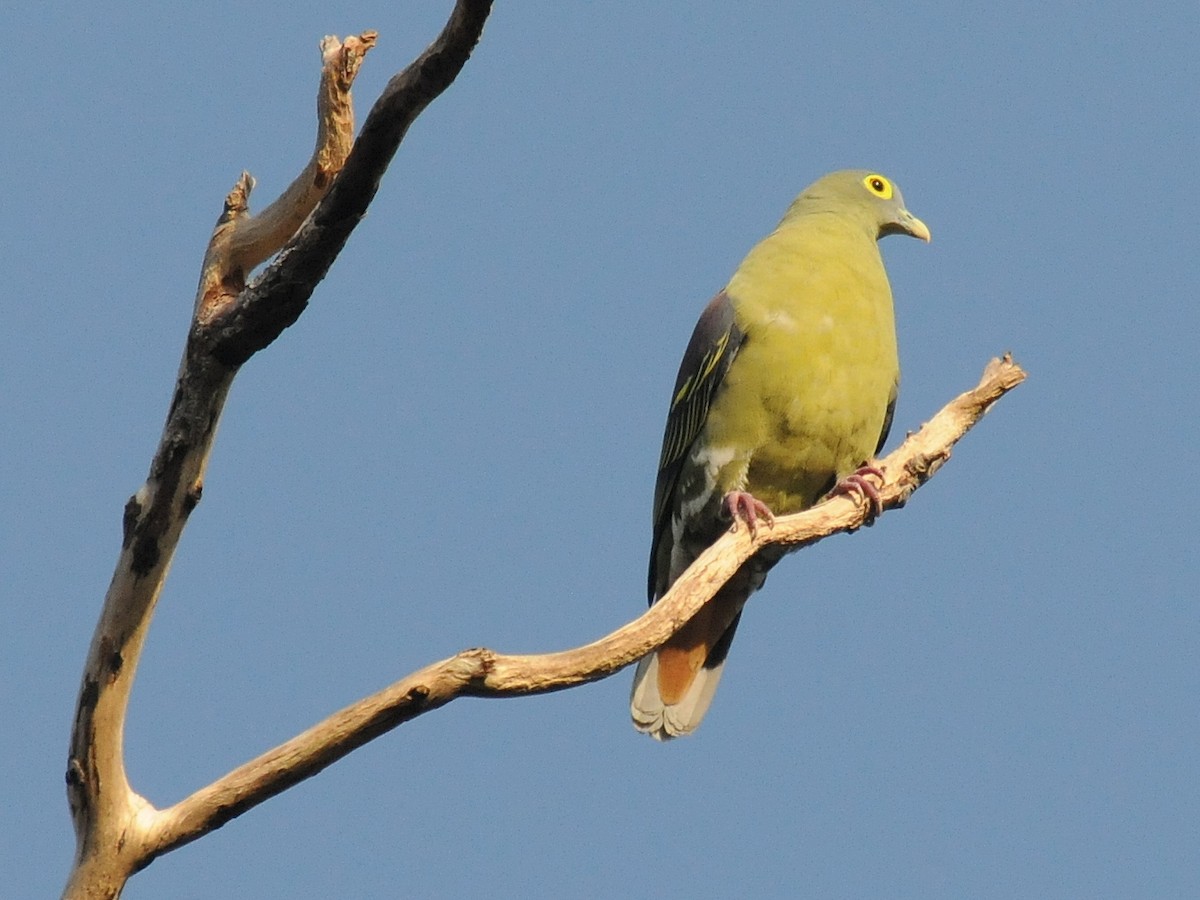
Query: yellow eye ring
[{"x": 879, "y": 186}]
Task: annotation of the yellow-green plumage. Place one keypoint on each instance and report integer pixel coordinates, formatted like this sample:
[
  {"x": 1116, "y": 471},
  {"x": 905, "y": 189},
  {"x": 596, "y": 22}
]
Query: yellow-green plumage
[{"x": 787, "y": 386}]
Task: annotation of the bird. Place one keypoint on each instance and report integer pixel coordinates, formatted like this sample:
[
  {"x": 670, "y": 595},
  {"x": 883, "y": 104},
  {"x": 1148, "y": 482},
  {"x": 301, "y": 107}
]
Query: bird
[{"x": 785, "y": 395}]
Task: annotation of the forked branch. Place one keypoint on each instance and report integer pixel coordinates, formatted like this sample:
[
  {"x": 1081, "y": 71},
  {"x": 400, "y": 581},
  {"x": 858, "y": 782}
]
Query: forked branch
[
  {"x": 307, "y": 226},
  {"x": 241, "y": 241}
]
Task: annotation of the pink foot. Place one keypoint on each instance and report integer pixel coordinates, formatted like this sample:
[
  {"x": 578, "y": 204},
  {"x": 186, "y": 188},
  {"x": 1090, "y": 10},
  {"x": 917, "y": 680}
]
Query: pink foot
[
  {"x": 742, "y": 506},
  {"x": 858, "y": 485}
]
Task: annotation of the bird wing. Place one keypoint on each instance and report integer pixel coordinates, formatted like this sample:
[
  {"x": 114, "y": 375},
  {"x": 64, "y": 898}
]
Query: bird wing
[{"x": 711, "y": 350}]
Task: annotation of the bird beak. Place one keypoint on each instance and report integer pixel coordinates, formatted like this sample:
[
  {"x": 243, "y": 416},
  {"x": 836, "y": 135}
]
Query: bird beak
[{"x": 914, "y": 226}]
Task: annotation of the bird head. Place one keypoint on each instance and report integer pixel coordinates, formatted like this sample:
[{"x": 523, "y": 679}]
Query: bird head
[{"x": 862, "y": 194}]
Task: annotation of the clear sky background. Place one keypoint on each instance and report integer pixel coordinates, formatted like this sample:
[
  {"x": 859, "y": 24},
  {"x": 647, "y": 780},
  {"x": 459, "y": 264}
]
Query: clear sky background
[{"x": 992, "y": 693}]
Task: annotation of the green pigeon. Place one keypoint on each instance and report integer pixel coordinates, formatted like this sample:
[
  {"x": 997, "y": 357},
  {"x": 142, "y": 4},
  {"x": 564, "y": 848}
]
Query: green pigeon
[{"x": 785, "y": 394}]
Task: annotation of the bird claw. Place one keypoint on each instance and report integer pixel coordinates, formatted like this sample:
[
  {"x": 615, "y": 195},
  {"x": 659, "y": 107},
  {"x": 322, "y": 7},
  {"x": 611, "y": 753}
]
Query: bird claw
[
  {"x": 857, "y": 485},
  {"x": 742, "y": 506}
]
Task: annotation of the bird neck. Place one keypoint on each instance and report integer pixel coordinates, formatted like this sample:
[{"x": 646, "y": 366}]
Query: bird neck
[{"x": 811, "y": 216}]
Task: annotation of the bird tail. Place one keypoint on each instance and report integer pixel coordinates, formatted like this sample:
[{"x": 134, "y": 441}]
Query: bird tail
[{"x": 662, "y": 720}]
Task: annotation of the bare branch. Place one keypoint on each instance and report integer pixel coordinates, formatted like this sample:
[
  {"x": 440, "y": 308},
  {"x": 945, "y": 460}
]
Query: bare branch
[
  {"x": 112, "y": 823},
  {"x": 279, "y": 295},
  {"x": 263, "y": 235},
  {"x": 241, "y": 241},
  {"x": 484, "y": 673}
]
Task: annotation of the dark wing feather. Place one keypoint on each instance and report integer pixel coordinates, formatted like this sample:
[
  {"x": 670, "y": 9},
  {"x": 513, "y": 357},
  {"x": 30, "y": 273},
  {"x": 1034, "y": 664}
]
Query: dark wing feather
[
  {"x": 714, "y": 344},
  {"x": 887, "y": 418}
]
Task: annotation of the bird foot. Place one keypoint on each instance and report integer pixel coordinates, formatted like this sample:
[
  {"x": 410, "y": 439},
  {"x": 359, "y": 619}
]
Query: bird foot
[
  {"x": 858, "y": 485},
  {"x": 742, "y": 506}
]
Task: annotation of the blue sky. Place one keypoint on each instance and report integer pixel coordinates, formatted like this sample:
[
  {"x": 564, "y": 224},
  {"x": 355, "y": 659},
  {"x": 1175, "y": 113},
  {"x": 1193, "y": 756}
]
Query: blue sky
[{"x": 992, "y": 693}]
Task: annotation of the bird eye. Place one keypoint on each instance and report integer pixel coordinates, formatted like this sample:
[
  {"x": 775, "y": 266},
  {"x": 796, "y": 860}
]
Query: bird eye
[{"x": 879, "y": 186}]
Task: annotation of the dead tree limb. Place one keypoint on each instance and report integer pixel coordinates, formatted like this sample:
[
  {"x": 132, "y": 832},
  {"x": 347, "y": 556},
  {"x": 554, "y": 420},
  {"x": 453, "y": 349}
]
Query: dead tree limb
[{"x": 306, "y": 227}]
